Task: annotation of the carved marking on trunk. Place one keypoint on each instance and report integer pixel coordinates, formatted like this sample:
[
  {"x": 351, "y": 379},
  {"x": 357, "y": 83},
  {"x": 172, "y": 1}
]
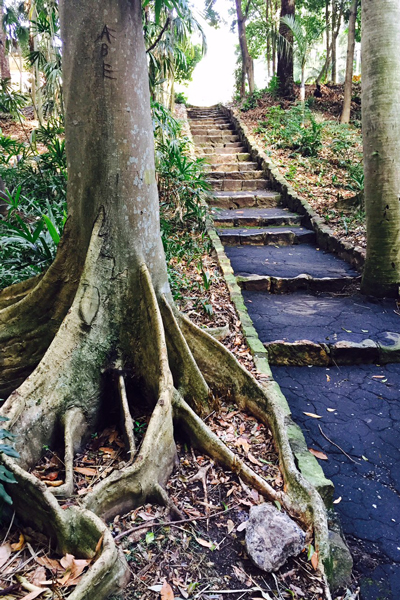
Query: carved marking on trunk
[
  {"x": 106, "y": 33},
  {"x": 89, "y": 304}
]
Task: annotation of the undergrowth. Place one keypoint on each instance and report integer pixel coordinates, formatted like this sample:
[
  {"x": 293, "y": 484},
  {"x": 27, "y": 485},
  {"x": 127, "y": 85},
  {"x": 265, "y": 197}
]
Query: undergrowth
[{"x": 35, "y": 176}]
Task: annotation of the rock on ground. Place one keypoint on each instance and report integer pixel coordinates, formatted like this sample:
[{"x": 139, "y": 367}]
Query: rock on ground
[{"x": 272, "y": 537}]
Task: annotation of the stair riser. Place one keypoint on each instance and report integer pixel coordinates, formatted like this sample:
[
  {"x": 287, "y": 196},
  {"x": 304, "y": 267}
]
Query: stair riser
[
  {"x": 286, "y": 238},
  {"x": 229, "y": 185},
  {"x": 257, "y": 221},
  {"x": 234, "y": 166},
  {"x": 242, "y": 175},
  {"x": 246, "y": 202},
  {"x": 209, "y": 140},
  {"x": 210, "y": 129},
  {"x": 232, "y": 148},
  {"x": 208, "y": 122},
  {"x": 223, "y": 159}
]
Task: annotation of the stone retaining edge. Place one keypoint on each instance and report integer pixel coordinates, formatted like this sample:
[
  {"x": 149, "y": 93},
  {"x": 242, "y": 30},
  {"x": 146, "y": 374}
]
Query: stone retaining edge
[
  {"x": 305, "y": 461},
  {"x": 291, "y": 199}
]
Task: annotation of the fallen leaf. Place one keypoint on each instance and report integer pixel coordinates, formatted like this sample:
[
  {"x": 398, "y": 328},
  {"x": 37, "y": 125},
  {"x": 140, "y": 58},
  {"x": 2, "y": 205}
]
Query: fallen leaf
[
  {"x": 155, "y": 588},
  {"x": 85, "y": 471},
  {"x": 378, "y": 377},
  {"x": 204, "y": 543},
  {"x": 253, "y": 459},
  {"x": 49, "y": 563},
  {"x": 67, "y": 561},
  {"x": 51, "y": 476},
  {"x": 337, "y": 500},
  {"x": 108, "y": 451},
  {"x": 18, "y": 545},
  {"x": 56, "y": 483},
  {"x": 331, "y": 409},
  {"x": 318, "y": 454},
  {"x": 242, "y": 526},
  {"x": 38, "y": 575},
  {"x": 314, "y": 561},
  {"x": 166, "y": 592},
  {"x": 230, "y": 525},
  {"x": 328, "y": 378},
  {"x": 5, "y": 551},
  {"x": 313, "y": 415}
]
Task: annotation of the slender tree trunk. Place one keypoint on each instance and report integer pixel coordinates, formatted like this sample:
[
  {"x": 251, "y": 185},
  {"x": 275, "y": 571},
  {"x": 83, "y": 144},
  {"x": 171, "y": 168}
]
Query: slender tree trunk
[
  {"x": 345, "y": 116},
  {"x": 247, "y": 61},
  {"x": 324, "y": 73},
  {"x": 337, "y": 13},
  {"x": 381, "y": 139},
  {"x": 285, "y": 59},
  {"x": 4, "y": 60}
]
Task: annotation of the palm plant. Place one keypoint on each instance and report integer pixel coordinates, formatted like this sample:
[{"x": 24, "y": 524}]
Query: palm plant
[{"x": 303, "y": 40}]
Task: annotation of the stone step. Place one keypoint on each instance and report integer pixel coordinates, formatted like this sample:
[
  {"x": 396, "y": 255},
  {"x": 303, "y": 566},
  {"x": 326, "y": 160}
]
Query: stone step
[
  {"x": 233, "y": 167},
  {"x": 210, "y": 140},
  {"x": 244, "y": 175},
  {"x": 281, "y": 236},
  {"x": 233, "y": 200},
  {"x": 236, "y": 185},
  {"x": 254, "y": 217},
  {"x": 289, "y": 285},
  {"x": 210, "y": 128},
  {"x": 204, "y": 122},
  {"x": 230, "y": 148},
  {"x": 228, "y": 159},
  {"x": 195, "y": 116}
]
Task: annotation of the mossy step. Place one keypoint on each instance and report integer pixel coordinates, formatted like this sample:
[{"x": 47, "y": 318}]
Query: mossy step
[
  {"x": 212, "y": 139},
  {"x": 289, "y": 285},
  {"x": 230, "y": 158}
]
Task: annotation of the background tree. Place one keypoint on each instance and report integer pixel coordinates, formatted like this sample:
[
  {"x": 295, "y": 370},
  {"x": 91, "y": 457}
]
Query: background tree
[
  {"x": 285, "y": 58},
  {"x": 247, "y": 61},
  {"x": 351, "y": 42},
  {"x": 381, "y": 141},
  {"x": 4, "y": 60}
]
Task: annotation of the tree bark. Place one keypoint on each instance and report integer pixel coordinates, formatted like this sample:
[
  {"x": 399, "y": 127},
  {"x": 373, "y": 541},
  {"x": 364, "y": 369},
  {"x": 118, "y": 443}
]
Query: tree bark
[
  {"x": 381, "y": 140},
  {"x": 4, "y": 60},
  {"x": 285, "y": 59},
  {"x": 337, "y": 13},
  {"x": 247, "y": 61},
  {"x": 345, "y": 116}
]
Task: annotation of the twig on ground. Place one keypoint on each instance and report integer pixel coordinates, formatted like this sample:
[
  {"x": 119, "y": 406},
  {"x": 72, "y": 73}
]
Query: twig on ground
[
  {"x": 9, "y": 528},
  {"x": 172, "y": 523},
  {"x": 338, "y": 447}
]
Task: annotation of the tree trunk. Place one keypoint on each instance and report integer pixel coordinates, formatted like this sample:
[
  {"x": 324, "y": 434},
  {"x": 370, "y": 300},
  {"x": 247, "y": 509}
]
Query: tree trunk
[
  {"x": 247, "y": 61},
  {"x": 381, "y": 140},
  {"x": 337, "y": 13},
  {"x": 285, "y": 59},
  {"x": 4, "y": 60},
  {"x": 345, "y": 116},
  {"x": 324, "y": 73}
]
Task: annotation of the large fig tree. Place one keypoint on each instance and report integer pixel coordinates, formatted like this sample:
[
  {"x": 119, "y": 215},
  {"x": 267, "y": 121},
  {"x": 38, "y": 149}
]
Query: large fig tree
[{"x": 99, "y": 332}]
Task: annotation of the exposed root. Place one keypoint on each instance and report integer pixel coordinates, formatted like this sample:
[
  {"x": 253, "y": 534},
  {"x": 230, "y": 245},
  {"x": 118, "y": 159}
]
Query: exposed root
[
  {"x": 129, "y": 437},
  {"x": 175, "y": 367},
  {"x": 14, "y": 293}
]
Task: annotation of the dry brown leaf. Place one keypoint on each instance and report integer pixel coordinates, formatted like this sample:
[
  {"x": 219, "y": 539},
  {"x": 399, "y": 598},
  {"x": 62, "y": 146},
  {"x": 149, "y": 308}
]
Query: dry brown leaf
[
  {"x": 85, "y": 471},
  {"x": 56, "y": 483},
  {"x": 18, "y": 545},
  {"x": 253, "y": 460},
  {"x": 318, "y": 454},
  {"x": 5, "y": 551},
  {"x": 38, "y": 575},
  {"x": 51, "y": 476},
  {"x": 314, "y": 561},
  {"x": 99, "y": 545},
  {"x": 313, "y": 415},
  {"x": 107, "y": 450},
  {"x": 67, "y": 561},
  {"x": 49, "y": 563},
  {"x": 244, "y": 443},
  {"x": 167, "y": 592}
]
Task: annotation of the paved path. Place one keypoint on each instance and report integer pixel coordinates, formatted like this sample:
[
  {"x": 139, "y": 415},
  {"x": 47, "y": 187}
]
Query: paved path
[{"x": 271, "y": 250}]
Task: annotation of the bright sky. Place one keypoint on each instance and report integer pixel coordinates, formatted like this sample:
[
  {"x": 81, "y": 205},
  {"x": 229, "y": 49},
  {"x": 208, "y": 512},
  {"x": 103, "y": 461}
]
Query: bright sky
[{"x": 213, "y": 79}]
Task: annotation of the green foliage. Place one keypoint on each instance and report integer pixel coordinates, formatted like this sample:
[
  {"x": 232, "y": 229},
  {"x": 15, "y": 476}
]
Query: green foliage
[
  {"x": 11, "y": 101},
  {"x": 295, "y": 128},
  {"x": 251, "y": 100},
  {"x": 5, "y": 475},
  {"x": 36, "y": 196},
  {"x": 180, "y": 98}
]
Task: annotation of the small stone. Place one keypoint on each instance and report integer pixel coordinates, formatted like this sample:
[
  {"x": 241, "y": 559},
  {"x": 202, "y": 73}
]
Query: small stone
[{"x": 272, "y": 537}]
